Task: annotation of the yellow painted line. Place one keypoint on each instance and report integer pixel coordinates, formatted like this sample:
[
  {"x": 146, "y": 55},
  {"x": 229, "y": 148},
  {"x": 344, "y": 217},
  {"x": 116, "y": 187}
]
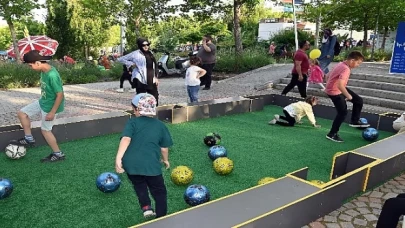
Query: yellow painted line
[
  {"x": 393, "y": 156},
  {"x": 375, "y": 142},
  {"x": 367, "y": 156},
  {"x": 205, "y": 204},
  {"x": 304, "y": 181},
  {"x": 345, "y": 175},
  {"x": 333, "y": 164},
  {"x": 296, "y": 171},
  {"x": 285, "y": 206}
]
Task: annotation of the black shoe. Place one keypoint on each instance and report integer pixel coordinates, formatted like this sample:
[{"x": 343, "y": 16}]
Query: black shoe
[
  {"x": 54, "y": 158},
  {"x": 334, "y": 137},
  {"x": 23, "y": 142},
  {"x": 206, "y": 88},
  {"x": 358, "y": 124}
]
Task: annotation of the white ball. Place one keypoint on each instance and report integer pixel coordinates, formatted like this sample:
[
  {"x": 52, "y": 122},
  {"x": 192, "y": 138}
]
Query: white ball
[{"x": 15, "y": 152}]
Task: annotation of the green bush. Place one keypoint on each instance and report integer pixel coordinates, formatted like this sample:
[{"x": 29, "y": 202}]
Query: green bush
[
  {"x": 287, "y": 36},
  {"x": 251, "y": 59},
  {"x": 379, "y": 55},
  {"x": 13, "y": 75}
]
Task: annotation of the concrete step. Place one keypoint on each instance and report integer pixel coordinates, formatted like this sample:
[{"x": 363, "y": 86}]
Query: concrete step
[
  {"x": 367, "y": 98},
  {"x": 367, "y": 84},
  {"x": 394, "y": 79}
]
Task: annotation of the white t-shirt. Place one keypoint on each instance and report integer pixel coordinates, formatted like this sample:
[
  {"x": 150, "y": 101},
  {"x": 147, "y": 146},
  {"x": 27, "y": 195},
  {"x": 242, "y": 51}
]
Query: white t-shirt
[
  {"x": 191, "y": 76},
  {"x": 400, "y": 119}
]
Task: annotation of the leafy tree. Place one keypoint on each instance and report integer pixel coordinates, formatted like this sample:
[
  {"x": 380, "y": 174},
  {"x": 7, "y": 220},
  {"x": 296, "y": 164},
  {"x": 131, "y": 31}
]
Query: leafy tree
[
  {"x": 13, "y": 10},
  {"x": 206, "y": 8},
  {"x": 58, "y": 26},
  {"x": 314, "y": 11},
  {"x": 5, "y": 38},
  {"x": 136, "y": 12}
]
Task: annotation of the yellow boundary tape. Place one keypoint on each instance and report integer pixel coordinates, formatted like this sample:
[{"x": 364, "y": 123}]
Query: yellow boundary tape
[
  {"x": 287, "y": 205},
  {"x": 210, "y": 202}
]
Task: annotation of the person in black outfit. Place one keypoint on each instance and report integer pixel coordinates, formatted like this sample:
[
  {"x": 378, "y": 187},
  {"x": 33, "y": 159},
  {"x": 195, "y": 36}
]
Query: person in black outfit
[
  {"x": 145, "y": 70},
  {"x": 126, "y": 75},
  {"x": 393, "y": 209},
  {"x": 300, "y": 70}
]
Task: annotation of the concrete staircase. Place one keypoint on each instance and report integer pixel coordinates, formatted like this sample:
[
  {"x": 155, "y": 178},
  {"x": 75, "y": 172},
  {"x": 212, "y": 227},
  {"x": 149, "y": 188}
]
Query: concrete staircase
[{"x": 380, "y": 89}]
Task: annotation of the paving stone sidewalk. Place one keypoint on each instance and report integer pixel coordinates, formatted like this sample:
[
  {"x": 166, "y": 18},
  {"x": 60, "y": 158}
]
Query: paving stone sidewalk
[{"x": 362, "y": 212}]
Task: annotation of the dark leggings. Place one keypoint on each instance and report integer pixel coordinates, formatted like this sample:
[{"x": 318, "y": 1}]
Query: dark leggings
[
  {"x": 290, "y": 120},
  {"x": 341, "y": 107},
  {"x": 142, "y": 88},
  {"x": 127, "y": 76},
  {"x": 157, "y": 188},
  {"x": 393, "y": 209}
]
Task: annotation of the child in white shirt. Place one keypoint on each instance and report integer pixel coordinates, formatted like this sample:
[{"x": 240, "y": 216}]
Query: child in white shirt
[
  {"x": 193, "y": 75},
  {"x": 399, "y": 124},
  {"x": 295, "y": 111}
]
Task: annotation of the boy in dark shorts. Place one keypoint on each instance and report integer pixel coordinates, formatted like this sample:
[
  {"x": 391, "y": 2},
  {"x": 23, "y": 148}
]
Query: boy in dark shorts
[
  {"x": 142, "y": 150},
  {"x": 49, "y": 105}
]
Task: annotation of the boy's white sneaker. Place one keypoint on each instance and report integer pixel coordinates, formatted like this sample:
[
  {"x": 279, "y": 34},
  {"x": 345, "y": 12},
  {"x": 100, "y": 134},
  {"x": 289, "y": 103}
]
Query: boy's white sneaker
[
  {"x": 132, "y": 90},
  {"x": 121, "y": 90},
  {"x": 277, "y": 117},
  {"x": 149, "y": 214}
]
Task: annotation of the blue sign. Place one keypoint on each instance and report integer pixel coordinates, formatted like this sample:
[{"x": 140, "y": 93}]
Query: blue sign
[{"x": 398, "y": 54}]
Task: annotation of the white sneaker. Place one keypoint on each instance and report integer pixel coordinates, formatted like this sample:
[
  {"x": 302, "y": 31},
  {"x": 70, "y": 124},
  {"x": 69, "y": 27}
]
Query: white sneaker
[
  {"x": 132, "y": 90},
  {"x": 121, "y": 90},
  {"x": 149, "y": 213},
  {"x": 277, "y": 117},
  {"x": 273, "y": 122}
]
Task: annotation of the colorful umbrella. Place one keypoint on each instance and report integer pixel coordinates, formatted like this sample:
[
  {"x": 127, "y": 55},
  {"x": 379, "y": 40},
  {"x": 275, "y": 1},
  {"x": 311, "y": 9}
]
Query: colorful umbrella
[{"x": 44, "y": 44}]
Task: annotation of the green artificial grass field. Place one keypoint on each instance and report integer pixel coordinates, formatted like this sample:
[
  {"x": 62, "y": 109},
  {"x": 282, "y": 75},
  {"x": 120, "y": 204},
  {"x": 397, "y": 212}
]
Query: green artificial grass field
[{"x": 64, "y": 194}]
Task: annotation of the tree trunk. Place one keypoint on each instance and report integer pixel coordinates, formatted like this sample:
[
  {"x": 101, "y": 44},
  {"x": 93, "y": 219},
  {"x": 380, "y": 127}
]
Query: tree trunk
[
  {"x": 365, "y": 28},
  {"x": 384, "y": 38},
  {"x": 317, "y": 25},
  {"x": 14, "y": 38},
  {"x": 138, "y": 25},
  {"x": 237, "y": 5}
]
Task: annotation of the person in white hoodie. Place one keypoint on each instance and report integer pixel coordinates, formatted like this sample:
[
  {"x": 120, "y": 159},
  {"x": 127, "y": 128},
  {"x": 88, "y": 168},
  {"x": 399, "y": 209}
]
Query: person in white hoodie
[
  {"x": 399, "y": 123},
  {"x": 296, "y": 111}
]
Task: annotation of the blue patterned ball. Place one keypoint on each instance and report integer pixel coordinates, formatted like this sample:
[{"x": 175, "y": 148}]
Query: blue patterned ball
[
  {"x": 196, "y": 194},
  {"x": 108, "y": 182},
  {"x": 370, "y": 134},
  {"x": 217, "y": 152},
  {"x": 6, "y": 188}
]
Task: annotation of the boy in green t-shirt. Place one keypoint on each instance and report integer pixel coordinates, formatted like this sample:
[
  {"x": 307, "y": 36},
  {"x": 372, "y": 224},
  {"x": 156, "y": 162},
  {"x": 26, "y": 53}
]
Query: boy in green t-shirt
[
  {"x": 49, "y": 105},
  {"x": 144, "y": 140}
]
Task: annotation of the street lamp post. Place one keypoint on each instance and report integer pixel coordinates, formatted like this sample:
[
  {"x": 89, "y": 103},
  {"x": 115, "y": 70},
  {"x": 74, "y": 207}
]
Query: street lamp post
[{"x": 295, "y": 25}]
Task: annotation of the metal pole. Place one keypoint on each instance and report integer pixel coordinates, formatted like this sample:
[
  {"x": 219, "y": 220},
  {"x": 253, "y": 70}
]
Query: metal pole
[
  {"x": 375, "y": 31},
  {"x": 295, "y": 26}
]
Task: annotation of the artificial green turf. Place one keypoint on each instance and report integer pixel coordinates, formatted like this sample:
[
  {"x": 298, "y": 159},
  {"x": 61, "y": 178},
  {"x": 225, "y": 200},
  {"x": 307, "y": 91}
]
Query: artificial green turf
[{"x": 65, "y": 195}]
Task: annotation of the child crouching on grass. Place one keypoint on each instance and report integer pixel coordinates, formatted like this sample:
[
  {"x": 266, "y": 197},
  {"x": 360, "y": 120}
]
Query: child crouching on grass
[
  {"x": 145, "y": 139},
  {"x": 295, "y": 111}
]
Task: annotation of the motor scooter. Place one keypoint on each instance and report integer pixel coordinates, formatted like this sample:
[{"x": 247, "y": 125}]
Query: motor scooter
[{"x": 180, "y": 65}]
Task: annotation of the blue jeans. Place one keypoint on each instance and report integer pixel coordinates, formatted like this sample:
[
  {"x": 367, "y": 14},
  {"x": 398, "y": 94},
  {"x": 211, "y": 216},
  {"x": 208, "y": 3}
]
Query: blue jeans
[
  {"x": 324, "y": 63},
  {"x": 193, "y": 93}
]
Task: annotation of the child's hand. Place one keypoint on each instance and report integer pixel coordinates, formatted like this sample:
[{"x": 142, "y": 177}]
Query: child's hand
[
  {"x": 118, "y": 167},
  {"x": 166, "y": 163},
  {"x": 300, "y": 122}
]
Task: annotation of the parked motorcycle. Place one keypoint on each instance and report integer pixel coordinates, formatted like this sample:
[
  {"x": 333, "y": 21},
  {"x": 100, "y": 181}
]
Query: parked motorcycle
[{"x": 180, "y": 65}]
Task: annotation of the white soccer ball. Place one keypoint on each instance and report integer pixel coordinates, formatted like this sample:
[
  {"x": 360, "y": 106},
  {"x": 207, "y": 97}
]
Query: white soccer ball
[{"x": 15, "y": 152}]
